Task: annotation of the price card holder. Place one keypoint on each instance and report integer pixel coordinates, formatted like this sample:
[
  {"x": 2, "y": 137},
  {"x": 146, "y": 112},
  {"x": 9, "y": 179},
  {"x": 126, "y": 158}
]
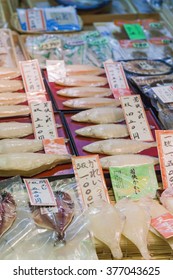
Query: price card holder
[
  {"x": 136, "y": 119},
  {"x": 134, "y": 181},
  {"x": 40, "y": 192},
  {"x": 134, "y": 31},
  {"x": 164, "y": 93},
  {"x": 43, "y": 120},
  {"x": 55, "y": 146},
  {"x": 35, "y": 20},
  {"x": 165, "y": 151},
  {"x": 90, "y": 179},
  {"x": 117, "y": 79},
  {"x": 164, "y": 224}
]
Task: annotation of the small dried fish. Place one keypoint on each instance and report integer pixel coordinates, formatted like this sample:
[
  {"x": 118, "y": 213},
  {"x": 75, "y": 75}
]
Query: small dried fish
[
  {"x": 124, "y": 160},
  {"x": 7, "y": 211},
  {"x": 104, "y": 131},
  {"x": 14, "y": 110},
  {"x": 10, "y": 85},
  {"x": 9, "y": 73},
  {"x": 82, "y": 81},
  {"x": 118, "y": 146},
  {"x": 84, "y": 92},
  {"x": 12, "y": 98},
  {"x": 91, "y": 102},
  {"x": 100, "y": 115},
  {"x": 20, "y": 145},
  {"x": 15, "y": 129},
  {"x": 59, "y": 218},
  {"x": 79, "y": 69}
]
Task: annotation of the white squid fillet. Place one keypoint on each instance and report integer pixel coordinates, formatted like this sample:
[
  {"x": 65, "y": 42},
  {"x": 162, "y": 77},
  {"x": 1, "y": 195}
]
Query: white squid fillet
[
  {"x": 29, "y": 164},
  {"x": 10, "y": 85},
  {"x": 15, "y": 129},
  {"x": 118, "y": 146},
  {"x": 127, "y": 160},
  {"x": 137, "y": 224},
  {"x": 91, "y": 102},
  {"x": 82, "y": 81},
  {"x": 20, "y": 145},
  {"x": 104, "y": 131},
  {"x": 9, "y": 73},
  {"x": 78, "y": 69},
  {"x": 12, "y": 98},
  {"x": 14, "y": 110},
  {"x": 100, "y": 115},
  {"x": 84, "y": 92}
]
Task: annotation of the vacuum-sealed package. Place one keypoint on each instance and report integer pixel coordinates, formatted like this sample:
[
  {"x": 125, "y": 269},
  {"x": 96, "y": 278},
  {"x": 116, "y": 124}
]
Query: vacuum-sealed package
[
  {"x": 136, "y": 49},
  {"x": 74, "y": 50},
  {"x": 155, "y": 28},
  {"x": 162, "y": 48},
  {"x": 37, "y": 232}
]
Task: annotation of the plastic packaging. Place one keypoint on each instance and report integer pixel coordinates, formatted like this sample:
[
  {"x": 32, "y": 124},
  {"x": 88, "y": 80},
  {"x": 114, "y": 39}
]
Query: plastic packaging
[
  {"x": 167, "y": 199},
  {"x": 74, "y": 51},
  {"x": 136, "y": 49},
  {"x": 85, "y": 4}
]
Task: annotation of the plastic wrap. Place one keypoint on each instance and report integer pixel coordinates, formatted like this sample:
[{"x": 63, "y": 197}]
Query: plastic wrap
[
  {"x": 74, "y": 50},
  {"x": 167, "y": 199},
  {"x": 162, "y": 48},
  {"x": 136, "y": 49},
  {"x": 26, "y": 240},
  {"x": 155, "y": 28}
]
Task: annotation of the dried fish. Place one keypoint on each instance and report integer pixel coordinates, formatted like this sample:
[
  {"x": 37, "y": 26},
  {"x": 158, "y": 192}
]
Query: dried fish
[
  {"x": 10, "y": 85},
  {"x": 79, "y": 69},
  {"x": 9, "y": 73},
  {"x": 14, "y": 110},
  {"x": 20, "y": 145},
  {"x": 91, "y": 102},
  {"x": 84, "y": 92},
  {"x": 82, "y": 80},
  {"x": 12, "y": 98},
  {"x": 15, "y": 129}
]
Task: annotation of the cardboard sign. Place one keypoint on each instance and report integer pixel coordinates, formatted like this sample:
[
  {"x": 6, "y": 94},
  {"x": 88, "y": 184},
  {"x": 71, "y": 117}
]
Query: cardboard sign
[
  {"x": 164, "y": 225},
  {"x": 90, "y": 179},
  {"x": 136, "y": 119},
  {"x": 134, "y": 31},
  {"x": 40, "y": 192}
]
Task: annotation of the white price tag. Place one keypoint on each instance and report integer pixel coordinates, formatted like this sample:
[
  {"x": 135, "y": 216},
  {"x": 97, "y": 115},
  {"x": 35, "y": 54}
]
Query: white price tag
[
  {"x": 35, "y": 19},
  {"x": 43, "y": 120},
  {"x": 90, "y": 179},
  {"x": 164, "y": 93},
  {"x": 136, "y": 119},
  {"x": 40, "y": 192}
]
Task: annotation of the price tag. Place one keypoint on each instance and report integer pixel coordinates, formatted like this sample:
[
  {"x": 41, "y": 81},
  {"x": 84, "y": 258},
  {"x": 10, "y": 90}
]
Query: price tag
[
  {"x": 90, "y": 179},
  {"x": 164, "y": 93},
  {"x": 50, "y": 43},
  {"x": 164, "y": 224},
  {"x": 40, "y": 192},
  {"x": 43, "y": 120},
  {"x": 35, "y": 19},
  {"x": 133, "y": 181},
  {"x": 55, "y": 146},
  {"x": 116, "y": 79},
  {"x": 136, "y": 119},
  {"x": 165, "y": 151},
  {"x": 134, "y": 31},
  {"x": 55, "y": 69},
  {"x": 48, "y": 210},
  {"x": 32, "y": 78}
]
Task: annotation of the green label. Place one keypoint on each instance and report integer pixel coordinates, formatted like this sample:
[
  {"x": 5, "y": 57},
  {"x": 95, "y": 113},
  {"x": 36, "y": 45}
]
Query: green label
[
  {"x": 133, "y": 181},
  {"x": 167, "y": 41},
  {"x": 156, "y": 25},
  {"x": 134, "y": 31},
  {"x": 141, "y": 45}
]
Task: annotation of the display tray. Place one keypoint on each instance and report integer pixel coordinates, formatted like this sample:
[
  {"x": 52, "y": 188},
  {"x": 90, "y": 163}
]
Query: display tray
[
  {"x": 80, "y": 141},
  {"x": 59, "y": 169}
]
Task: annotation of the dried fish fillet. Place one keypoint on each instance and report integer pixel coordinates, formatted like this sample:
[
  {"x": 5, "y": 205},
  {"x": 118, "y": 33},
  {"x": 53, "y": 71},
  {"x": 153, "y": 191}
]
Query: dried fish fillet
[
  {"x": 79, "y": 69},
  {"x": 9, "y": 73},
  {"x": 84, "y": 92},
  {"x": 7, "y": 211},
  {"x": 91, "y": 102},
  {"x": 118, "y": 146},
  {"x": 29, "y": 164},
  {"x": 15, "y": 129},
  {"x": 20, "y": 146},
  {"x": 14, "y": 110},
  {"x": 12, "y": 98},
  {"x": 124, "y": 160},
  {"x": 104, "y": 131},
  {"x": 82, "y": 81},
  {"x": 10, "y": 85},
  {"x": 59, "y": 219},
  {"x": 100, "y": 115}
]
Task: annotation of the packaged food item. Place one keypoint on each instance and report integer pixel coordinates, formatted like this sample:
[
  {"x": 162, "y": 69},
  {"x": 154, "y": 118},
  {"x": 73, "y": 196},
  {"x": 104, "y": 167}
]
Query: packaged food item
[
  {"x": 74, "y": 51},
  {"x": 155, "y": 28},
  {"x": 162, "y": 48},
  {"x": 136, "y": 49}
]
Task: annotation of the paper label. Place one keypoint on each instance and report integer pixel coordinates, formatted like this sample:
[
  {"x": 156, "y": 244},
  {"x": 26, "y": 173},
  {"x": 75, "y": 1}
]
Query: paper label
[
  {"x": 116, "y": 79},
  {"x": 134, "y": 31},
  {"x": 32, "y": 78},
  {"x": 55, "y": 146},
  {"x": 133, "y": 181},
  {"x": 165, "y": 151},
  {"x": 90, "y": 179},
  {"x": 40, "y": 192},
  {"x": 55, "y": 69},
  {"x": 48, "y": 210},
  {"x": 35, "y": 19},
  {"x": 50, "y": 44},
  {"x": 164, "y": 93},
  {"x": 136, "y": 119},
  {"x": 164, "y": 225},
  {"x": 43, "y": 120}
]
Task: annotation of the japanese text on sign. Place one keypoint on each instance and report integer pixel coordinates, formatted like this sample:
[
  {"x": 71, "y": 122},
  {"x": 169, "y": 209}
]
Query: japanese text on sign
[
  {"x": 40, "y": 192},
  {"x": 32, "y": 78},
  {"x": 134, "y": 31},
  {"x": 35, "y": 19},
  {"x": 43, "y": 120},
  {"x": 133, "y": 181},
  {"x": 90, "y": 179},
  {"x": 164, "y": 224},
  {"x": 116, "y": 79},
  {"x": 165, "y": 151},
  {"x": 164, "y": 93},
  {"x": 136, "y": 119}
]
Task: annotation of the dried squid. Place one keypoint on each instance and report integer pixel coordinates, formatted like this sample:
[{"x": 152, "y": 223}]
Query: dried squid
[
  {"x": 78, "y": 69},
  {"x": 91, "y": 102},
  {"x": 9, "y": 73},
  {"x": 20, "y": 145},
  {"x": 14, "y": 110},
  {"x": 15, "y": 129},
  {"x": 10, "y": 85},
  {"x": 84, "y": 92},
  {"x": 12, "y": 98},
  {"x": 81, "y": 81}
]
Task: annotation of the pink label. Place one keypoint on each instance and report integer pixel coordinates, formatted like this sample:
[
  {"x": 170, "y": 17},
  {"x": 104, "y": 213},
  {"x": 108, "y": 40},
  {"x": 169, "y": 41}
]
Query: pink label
[
  {"x": 55, "y": 146},
  {"x": 164, "y": 225}
]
